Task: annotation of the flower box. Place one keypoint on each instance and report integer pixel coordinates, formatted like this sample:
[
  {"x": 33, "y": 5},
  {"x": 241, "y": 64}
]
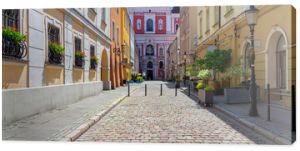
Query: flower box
[{"x": 205, "y": 97}]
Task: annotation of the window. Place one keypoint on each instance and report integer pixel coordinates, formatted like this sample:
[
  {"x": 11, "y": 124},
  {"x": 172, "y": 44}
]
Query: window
[
  {"x": 113, "y": 30},
  {"x": 118, "y": 36},
  {"x": 281, "y": 63},
  {"x": 207, "y": 19},
  {"x": 92, "y": 55},
  {"x": 149, "y": 64},
  {"x": 161, "y": 51},
  {"x": 161, "y": 65},
  {"x": 53, "y": 37},
  {"x": 150, "y": 25},
  {"x": 78, "y": 44},
  {"x": 103, "y": 15},
  {"x": 10, "y": 18},
  {"x": 217, "y": 14},
  {"x": 92, "y": 50},
  {"x": 160, "y": 24},
  {"x": 139, "y": 24},
  {"x": 53, "y": 33},
  {"x": 149, "y": 50}
]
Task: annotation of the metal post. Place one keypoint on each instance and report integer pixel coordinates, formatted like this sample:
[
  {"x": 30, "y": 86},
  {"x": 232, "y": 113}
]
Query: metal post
[
  {"x": 293, "y": 113},
  {"x": 269, "y": 111},
  {"x": 175, "y": 91},
  {"x": 145, "y": 89},
  {"x": 128, "y": 89},
  {"x": 189, "y": 89},
  {"x": 253, "y": 107},
  {"x": 160, "y": 89}
]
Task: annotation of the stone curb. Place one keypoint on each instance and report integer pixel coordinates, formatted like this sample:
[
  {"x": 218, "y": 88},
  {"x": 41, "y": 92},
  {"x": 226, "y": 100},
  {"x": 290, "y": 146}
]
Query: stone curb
[
  {"x": 274, "y": 137},
  {"x": 92, "y": 120}
]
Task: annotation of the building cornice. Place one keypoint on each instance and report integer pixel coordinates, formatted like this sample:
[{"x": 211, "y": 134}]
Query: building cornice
[{"x": 74, "y": 13}]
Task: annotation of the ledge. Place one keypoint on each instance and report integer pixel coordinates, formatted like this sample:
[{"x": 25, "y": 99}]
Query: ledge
[
  {"x": 12, "y": 60},
  {"x": 50, "y": 65}
]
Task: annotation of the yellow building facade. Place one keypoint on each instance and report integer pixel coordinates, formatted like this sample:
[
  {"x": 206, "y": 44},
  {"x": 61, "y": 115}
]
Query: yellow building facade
[
  {"x": 125, "y": 40},
  {"x": 225, "y": 27}
]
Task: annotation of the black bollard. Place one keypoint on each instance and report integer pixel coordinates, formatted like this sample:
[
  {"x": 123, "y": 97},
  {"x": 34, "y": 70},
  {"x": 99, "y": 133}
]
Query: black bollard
[
  {"x": 189, "y": 90},
  {"x": 269, "y": 112},
  {"x": 160, "y": 89},
  {"x": 128, "y": 89},
  {"x": 145, "y": 89},
  {"x": 175, "y": 91},
  {"x": 293, "y": 113}
]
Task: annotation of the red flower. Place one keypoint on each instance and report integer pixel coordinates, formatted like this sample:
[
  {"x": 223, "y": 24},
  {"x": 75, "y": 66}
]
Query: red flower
[
  {"x": 14, "y": 28},
  {"x": 3, "y": 28}
]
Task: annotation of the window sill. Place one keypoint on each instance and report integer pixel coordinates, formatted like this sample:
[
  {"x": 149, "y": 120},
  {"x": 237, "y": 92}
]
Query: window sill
[
  {"x": 6, "y": 59},
  {"x": 52, "y": 65}
]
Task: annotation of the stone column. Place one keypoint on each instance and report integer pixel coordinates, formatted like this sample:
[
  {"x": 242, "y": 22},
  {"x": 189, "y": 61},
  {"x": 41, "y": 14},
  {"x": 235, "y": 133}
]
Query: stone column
[
  {"x": 68, "y": 49},
  {"x": 36, "y": 46},
  {"x": 86, "y": 44}
]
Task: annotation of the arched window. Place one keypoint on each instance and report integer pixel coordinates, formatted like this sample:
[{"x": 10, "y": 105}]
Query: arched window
[
  {"x": 160, "y": 24},
  {"x": 150, "y": 25},
  {"x": 161, "y": 65},
  {"x": 149, "y": 50},
  {"x": 149, "y": 64},
  {"x": 281, "y": 63},
  {"x": 139, "y": 24},
  {"x": 161, "y": 51}
]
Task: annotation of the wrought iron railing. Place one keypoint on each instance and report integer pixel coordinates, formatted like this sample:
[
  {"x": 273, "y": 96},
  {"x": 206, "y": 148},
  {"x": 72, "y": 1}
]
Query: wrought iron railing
[
  {"x": 79, "y": 62},
  {"x": 12, "y": 49},
  {"x": 55, "y": 58}
]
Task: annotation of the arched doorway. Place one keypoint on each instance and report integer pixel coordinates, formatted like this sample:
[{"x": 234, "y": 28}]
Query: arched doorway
[
  {"x": 149, "y": 75},
  {"x": 104, "y": 66},
  {"x": 276, "y": 56}
]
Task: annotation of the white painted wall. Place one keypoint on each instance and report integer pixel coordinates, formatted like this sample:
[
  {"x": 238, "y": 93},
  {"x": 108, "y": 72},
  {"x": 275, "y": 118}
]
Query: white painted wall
[{"x": 21, "y": 103}]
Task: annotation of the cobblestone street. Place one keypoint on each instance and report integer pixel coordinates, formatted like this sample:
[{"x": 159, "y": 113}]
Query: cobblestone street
[{"x": 168, "y": 119}]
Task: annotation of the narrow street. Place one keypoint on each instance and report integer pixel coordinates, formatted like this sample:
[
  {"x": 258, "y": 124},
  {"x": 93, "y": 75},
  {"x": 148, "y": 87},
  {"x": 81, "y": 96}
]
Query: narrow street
[{"x": 168, "y": 119}]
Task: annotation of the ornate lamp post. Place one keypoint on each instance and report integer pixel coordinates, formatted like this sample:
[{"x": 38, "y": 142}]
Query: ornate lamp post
[{"x": 251, "y": 15}]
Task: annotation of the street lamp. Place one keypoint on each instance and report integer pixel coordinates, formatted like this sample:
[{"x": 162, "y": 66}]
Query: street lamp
[{"x": 251, "y": 15}]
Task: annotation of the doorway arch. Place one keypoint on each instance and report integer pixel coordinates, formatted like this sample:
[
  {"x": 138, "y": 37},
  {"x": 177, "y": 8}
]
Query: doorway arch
[{"x": 277, "y": 59}]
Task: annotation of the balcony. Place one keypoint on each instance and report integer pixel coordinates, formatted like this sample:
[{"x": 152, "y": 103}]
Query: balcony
[{"x": 11, "y": 49}]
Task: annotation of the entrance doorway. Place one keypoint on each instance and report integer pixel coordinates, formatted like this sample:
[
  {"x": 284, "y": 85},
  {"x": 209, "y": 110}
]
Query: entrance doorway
[{"x": 149, "y": 75}]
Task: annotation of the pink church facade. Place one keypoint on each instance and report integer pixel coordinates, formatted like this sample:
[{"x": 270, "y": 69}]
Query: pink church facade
[{"x": 155, "y": 29}]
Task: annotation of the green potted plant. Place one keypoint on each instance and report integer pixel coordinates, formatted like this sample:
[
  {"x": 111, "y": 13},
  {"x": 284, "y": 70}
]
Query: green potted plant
[
  {"x": 139, "y": 79},
  {"x": 217, "y": 61},
  {"x": 94, "y": 62},
  {"x": 55, "y": 52},
  {"x": 13, "y": 43},
  {"x": 237, "y": 94},
  {"x": 205, "y": 94},
  {"x": 79, "y": 58}
]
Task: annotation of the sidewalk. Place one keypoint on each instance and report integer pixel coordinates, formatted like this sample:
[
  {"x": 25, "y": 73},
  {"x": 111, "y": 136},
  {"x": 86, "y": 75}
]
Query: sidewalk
[
  {"x": 278, "y": 129},
  {"x": 56, "y": 124}
]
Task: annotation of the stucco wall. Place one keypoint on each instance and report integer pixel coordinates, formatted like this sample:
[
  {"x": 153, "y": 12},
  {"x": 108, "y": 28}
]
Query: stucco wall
[
  {"x": 14, "y": 75},
  {"x": 21, "y": 103}
]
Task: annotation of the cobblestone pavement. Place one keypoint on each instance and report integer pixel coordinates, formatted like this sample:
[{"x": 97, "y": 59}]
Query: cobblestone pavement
[
  {"x": 168, "y": 119},
  {"x": 56, "y": 124}
]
